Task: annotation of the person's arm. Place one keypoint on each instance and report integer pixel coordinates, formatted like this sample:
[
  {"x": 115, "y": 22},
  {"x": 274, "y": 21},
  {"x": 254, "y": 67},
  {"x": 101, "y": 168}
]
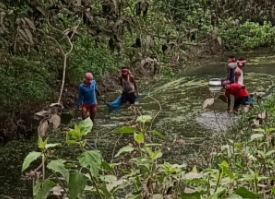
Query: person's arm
[
  {"x": 228, "y": 73},
  {"x": 237, "y": 74},
  {"x": 80, "y": 97},
  {"x": 135, "y": 84},
  {"x": 120, "y": 81},
  {"x": 227, "y": 94}
]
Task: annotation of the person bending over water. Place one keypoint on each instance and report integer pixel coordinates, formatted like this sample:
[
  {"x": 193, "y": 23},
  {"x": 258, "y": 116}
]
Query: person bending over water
[
  {"x": 238, "y": 73},
  {"x": 240, "y": 94},
  {"x": 87, "y": 97},
  {"x": 129, "y": 86}
]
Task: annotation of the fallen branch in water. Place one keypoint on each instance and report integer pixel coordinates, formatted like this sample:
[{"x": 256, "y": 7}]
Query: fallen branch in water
[
  {"x": 6, "y": 196},
  {"x": 113, "y": 153},
  {"x": 160, "y": 109}
]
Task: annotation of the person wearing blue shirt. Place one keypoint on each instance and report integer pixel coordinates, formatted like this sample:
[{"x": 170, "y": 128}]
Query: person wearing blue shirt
[
  {"x": 87, "y": 97},
  {"x": 232, "y": 65}
]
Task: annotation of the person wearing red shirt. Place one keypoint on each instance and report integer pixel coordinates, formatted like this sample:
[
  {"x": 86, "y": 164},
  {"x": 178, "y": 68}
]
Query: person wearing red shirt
[{"x": 240, "y": 94}]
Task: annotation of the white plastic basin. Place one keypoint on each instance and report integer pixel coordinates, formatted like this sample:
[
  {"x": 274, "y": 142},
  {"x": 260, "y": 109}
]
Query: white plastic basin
[
  {"x": 215, "y": 82},
  {"x": 215, "y": 89}
]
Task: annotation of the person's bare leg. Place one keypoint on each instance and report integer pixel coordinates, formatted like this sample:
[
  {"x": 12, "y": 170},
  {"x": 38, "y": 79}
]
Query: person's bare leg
[
  {"x": 93, "y": 113},
  {"x": 235, "y": 109},
  {"x": 84, "y": 113}
]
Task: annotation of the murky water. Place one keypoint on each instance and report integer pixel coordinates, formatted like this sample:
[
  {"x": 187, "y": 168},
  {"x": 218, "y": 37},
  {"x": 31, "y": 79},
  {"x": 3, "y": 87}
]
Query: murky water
[{"x": 181, "y": 119}]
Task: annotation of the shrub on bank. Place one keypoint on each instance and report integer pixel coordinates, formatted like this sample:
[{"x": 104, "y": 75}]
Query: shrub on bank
[{"x": 247, "y": 35}]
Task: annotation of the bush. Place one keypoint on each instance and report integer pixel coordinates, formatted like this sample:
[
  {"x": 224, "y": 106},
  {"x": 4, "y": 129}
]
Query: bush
[{"x": 247, "y": 36}]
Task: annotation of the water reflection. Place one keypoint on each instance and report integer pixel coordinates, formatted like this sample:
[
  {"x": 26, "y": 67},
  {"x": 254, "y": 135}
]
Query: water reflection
[{"x": 215, "y": 89}]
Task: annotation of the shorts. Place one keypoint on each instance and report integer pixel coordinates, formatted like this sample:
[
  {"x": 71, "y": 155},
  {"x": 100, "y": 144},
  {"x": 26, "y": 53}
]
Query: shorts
[
  {"x": 241, "y": 101},
  {"x": 128, "y": 97},
  {"x": 89, "y": 107}
]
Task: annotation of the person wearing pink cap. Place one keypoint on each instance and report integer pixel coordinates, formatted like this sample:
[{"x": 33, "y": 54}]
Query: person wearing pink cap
[
  {"x": 87, "y": 97},
  {"x": 238, "y": 73},
  {"x": 129, "y": 86},
  {"x": 230, "y": 69}
]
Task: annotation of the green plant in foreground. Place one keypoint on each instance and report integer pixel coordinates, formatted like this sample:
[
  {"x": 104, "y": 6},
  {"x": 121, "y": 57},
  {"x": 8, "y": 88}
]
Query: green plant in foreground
[{"x": 244, "y": 169}]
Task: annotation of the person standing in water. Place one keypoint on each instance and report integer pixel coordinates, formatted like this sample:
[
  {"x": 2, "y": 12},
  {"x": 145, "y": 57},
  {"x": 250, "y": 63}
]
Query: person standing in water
[
  {"x": 129, "y": 86},
  {"x": 239, "y": 92},
  {"x": 87, "y": 97},
  {"x": 238, "y": 73},
  {"x": 230, "y": 79},
  {"x": 232, "y": 65}
]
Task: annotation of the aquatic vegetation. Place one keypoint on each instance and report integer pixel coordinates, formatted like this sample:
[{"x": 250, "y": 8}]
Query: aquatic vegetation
[{"x": 240, "y": 167}]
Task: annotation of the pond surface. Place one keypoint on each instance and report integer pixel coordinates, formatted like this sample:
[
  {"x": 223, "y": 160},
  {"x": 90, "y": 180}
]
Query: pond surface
[{"x": 181, "y": 119}]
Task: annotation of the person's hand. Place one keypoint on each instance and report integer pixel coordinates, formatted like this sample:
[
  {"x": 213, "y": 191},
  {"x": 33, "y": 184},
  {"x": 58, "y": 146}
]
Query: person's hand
[{"x": 138, "y": 94}]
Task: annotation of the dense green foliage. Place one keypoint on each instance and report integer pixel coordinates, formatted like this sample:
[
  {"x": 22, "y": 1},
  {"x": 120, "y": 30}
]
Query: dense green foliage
[{"x": 36, "y": 35}]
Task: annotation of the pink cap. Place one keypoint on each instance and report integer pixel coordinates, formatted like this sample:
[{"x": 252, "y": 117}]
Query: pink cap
[{"x": 241, "y": 62}]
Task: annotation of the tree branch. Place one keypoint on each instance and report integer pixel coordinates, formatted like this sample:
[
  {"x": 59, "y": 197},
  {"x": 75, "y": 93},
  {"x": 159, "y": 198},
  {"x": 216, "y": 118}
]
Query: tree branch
[
  {"x": 6, "y": 196},
  {"x": 65, "y": 55}
]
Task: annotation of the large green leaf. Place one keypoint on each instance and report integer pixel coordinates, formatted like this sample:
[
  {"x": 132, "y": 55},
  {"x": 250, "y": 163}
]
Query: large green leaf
[
  {"x": 109, "y": 167},
  {"x": 52, "y": 145},
  {"x": 32, "y": 156},
  {"x": 256, "y": 136},
  {"x": 195, "y": 195},
  {"x": 71, "y": 142},
  {"x": 59, "y": 167},
  {"x": 91, "y": 159},
  {"x": 124, "y": 150},
  {"x": 245, "y": 193},
  {"x": 86, "y": 126},
  {"x": 144, "y": 118},
  {"x": 77, "y": 184},
  {"x": 234, "y": 196},
  {"x": 193, "y": 174},
  {"x": 139, "y": 138},
  {"x": 158, "y": 134},
  {"x": 73, "y": 133},
  {"x": 225, "y": 168},
  {"x": 42, "y": 189},
  {"x": 108, "y": 178},
  {"x": 220, "y": 191},
  {"x": 116, "y": 185},
  {"x": 273, "y": 190},
  {"x": 155, "y": 155},
  {"x": 133, "y": 196},
  {"x": 127, "y": 129},
  {"x": 42, "y": 144}
]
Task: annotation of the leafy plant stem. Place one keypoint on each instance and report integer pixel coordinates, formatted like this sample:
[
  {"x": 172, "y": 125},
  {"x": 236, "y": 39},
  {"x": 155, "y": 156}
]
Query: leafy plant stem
[
  {"x": 61, "y": 183},
  {"x": 95, "y": 184},
  {"x": 113, "y": 153},
  {"x": 219, "y": 180},
  {"x": 43, "y": 167}
]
